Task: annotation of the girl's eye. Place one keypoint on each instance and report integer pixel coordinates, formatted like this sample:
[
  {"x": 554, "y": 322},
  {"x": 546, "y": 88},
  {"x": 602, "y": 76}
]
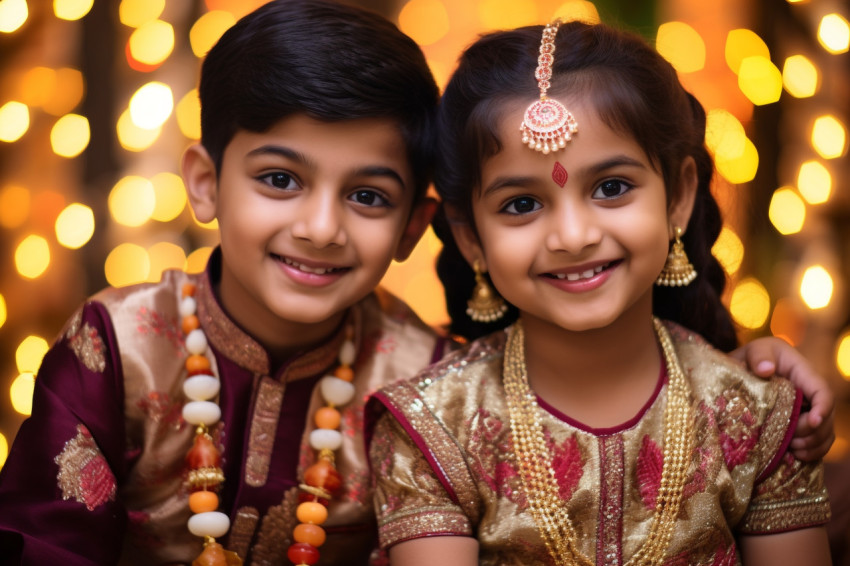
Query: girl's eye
[
  {"x": 369, "y": 198},
  {"x": 279, "y": 180},
  {"x": 612, "y": 188},
  {"x": 521, "y": 205}
]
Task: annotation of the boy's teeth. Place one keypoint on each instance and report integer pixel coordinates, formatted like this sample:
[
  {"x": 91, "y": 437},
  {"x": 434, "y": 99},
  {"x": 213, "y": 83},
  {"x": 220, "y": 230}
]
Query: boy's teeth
[{"x": 305, "y": 269}]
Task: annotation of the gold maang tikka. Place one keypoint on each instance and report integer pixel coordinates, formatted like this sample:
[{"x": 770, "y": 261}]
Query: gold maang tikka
[{"x": 547, "y": 124}]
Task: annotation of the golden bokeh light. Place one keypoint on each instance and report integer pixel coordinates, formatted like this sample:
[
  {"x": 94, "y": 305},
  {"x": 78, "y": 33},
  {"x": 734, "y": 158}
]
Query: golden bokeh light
[
  {"x": 682, "y": 46},
  {"x": 132, "y": 201},
  {"x": 14, "y": 206},
  {"x": 14, "y": 120},
  {"x": 578, "y": 11},
  {"x": 188, "y": 112},
  {"x": 729, "y": 250},
  {"x": 3, "y": 311},
  {"x": 30, "y": 352},
  {"x": 743, "y": 43},
  {"x": 70, "y": 135},
  {"x": 506, "y": 14},
  {"x": 724, "y": 134},
  {"x": 740, "y": 169},
  {"x": 787, "y": 211},
  {"x": 68, "y": 92},
  {"x": 127, "y": 264},
  {"x": 151, "y": 105},
  {"x": 816, "y": 287},
  {"x": 152, "y": 42},
  {"x": 21, "y": 393},
  {"x": 37, "y": 86},
  {"x": 75, "y": 226},
  {"x": 170, "y": 195},
  {"x": 206, "y": 31},
  {"x": 842, "y": 355},
  {"x": 13, "y": 14},
  {"x": 834, "y": 33},
  {"x": 750, "y": 303},
  {"x": 134, "y": 13},
  {"x": 4, "y": 450},
  {"x": 32, "y": 256},
  {"x": 196, "y": 262},
  {"x": 829, "y": 137},
  {"x": 72, "y": 10},
  {"x": 133, "y": 138},
  {"x": 814, "y": 182},
  {"x": 425, "y": 21},
  {"x": 800, "y": 77},
  {"x": 164, "y": 255},
  {"x": 760, "y": 80}
]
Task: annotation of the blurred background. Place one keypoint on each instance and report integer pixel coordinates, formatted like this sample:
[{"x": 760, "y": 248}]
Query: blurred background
[{"x": 98, "y": 101}]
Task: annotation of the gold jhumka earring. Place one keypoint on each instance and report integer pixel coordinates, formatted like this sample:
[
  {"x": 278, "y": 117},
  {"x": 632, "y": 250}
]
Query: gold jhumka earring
[
  {"x": 678, "y": 271},
  {"x": 485, "y": 305}
]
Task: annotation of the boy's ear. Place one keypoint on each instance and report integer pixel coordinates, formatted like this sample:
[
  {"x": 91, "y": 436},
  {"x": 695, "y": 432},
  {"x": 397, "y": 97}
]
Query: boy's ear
[
  {"x": 683, "y": 206},
  {"x": 420, "y": 218},
  {"x": 465, "y": 238},
  {"x": 200, "y": 178}
]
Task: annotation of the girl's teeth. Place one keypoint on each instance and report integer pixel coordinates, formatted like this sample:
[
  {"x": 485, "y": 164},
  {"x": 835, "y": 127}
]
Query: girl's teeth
[
  {"x": 583, "y": 275},
  {"x": 588, "y": 274}
]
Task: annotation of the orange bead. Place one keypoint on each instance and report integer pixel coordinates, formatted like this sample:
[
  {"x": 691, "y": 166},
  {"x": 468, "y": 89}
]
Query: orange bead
[
  {"x": 323, "y": 474},
  {"x": 203, "y": 501},
  {"x": 197, "y": 363},
  {"x": 203, "y": 454},
  {"x": 345, "y": 373},
  {"x": 190, "y": 323},
  {"x": 188, "y": 289},
  {"x": 313, "y": 535},
  {"x": 311, "y": 512},
  {"x": 327, "y": 417}
]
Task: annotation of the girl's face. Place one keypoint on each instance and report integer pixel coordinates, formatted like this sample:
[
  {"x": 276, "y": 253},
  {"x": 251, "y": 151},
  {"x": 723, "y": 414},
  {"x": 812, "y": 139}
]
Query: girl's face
[{"x": 577, "y": 237}]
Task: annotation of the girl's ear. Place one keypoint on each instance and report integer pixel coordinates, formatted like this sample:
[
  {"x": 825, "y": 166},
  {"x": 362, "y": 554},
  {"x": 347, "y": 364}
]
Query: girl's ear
[
  {"x": 201, "y": 181},
  {"x": 683, "y": 204},
  {"x": 465, "y": 238}
]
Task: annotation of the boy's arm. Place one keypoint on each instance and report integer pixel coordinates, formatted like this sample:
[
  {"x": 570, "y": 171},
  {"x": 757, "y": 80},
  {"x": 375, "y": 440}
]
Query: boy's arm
[
  {"x": 770, "y": 356},
  {"x": 806, "y": 546},
  {"x": 446, "y": 551}
]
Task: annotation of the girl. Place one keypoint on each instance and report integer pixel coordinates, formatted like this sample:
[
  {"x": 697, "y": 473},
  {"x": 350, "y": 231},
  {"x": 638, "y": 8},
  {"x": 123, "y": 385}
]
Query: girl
[{"x": 602, "y": 427}]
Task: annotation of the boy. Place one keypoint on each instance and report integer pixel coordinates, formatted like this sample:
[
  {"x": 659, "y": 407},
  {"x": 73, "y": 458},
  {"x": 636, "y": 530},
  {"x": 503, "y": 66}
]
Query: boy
[{"x": 317, "y": 124}]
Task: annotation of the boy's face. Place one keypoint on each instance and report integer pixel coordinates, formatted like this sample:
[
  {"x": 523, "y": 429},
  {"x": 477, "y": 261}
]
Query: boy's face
[{"x": 310, "y": 216}]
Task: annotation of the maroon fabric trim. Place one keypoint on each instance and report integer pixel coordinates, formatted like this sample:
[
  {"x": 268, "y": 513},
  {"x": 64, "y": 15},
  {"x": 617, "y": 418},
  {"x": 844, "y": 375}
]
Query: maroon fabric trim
[{"x": 786, "y": 442}]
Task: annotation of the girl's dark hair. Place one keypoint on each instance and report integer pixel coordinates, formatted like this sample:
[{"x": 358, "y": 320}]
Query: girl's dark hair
[
  {"x": 636, "y": 92},
  {"x": 327, "y": 60}
]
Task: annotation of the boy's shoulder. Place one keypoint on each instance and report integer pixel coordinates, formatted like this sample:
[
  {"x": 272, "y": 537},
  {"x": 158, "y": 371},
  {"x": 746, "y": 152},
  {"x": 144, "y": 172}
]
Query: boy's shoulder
[{"x": 161, "y": 296}]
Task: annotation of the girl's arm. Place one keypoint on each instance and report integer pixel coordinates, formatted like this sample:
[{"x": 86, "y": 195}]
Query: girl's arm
[
  {"x": 807, "y": 546},
  {"x": 815, "y": 432},
  {"x": 446, "y": 551}
]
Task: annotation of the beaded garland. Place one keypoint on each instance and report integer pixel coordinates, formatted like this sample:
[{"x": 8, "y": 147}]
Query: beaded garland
[{"x": 538, "y": 476}]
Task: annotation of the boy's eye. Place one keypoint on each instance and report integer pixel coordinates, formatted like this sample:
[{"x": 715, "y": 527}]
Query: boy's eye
[
  {"x": 369, "y": 198},
  {"x": 521, "y": 205},
  {"x": 612, "y": 188},
  {"x": 279, "y": 180}
]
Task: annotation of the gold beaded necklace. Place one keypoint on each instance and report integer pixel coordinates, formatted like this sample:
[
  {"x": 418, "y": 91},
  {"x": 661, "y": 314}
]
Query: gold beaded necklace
[{"x": 538, "y": 476}]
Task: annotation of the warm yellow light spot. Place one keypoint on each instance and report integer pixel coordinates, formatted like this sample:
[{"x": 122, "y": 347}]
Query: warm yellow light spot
[
  {"x": 70, "y": 135},
  {"x": 3, "y": 311},
  {"x": 724, "y": 134},
  {"x": 170, "y": 194},
  {"x": 132, "y": 201},
  {"x": 786, "y": 322},
  {"x": 68, "y": 92},
  {"x": 188, "y": 113},
  {"x": 208, "y": 29},
  {"x": 829, "y": 138},
  {"x": 760, "y": 80},
  {"x": 37, "y": 86},
  {"x": 787, "y": 211},
  {"x": 32, "y": 256},
  {"x": 506, "y": 14},
  {"x": 681, "y": 45},
  {"x": 30, "y": 352},
  {"x": 578, "y": 11},
  {"x": 729, "y": 250},
  {"x": 13, "y": 14},
  {"x": 741, "y": 169},
  {"x": 814, "y": 182},
  {"x": 4, "y": 450},
  {"x": 71, "y": 10},
  {"x": 426, "y": 21},
  {"x": 800, "y": 76},
  {"x": 212, "y": 225},
  {"x": 75, "y": 226},
  {"x": 164, "y": 255},
  {"x": 816, "y": 287},
  {"x": 750, "y": 304},
  {"x": 14, "y": 206},
  {"x": 842, "y": 355},
  {"x": 127, "y": 264},
  {"x": 21, "y": 393},
  {"x": 14, "y": 120},
  {"x": 152, "y": 43},
  {"x": 133, "y": 138},
  {"x": 743, "y": 43},
  {"x": 151, "y": 105},
  {"x": 834, "y": 33},
  {"x": 197, "y": 260},
  {"x": 134, "y": 13}
]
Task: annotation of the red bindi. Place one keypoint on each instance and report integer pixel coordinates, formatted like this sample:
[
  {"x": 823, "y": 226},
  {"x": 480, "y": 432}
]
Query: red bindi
[{"x": 559, "y": 174}]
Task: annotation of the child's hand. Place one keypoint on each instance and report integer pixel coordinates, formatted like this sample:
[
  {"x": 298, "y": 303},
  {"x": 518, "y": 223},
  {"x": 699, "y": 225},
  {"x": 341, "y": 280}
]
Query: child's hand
[{"x": 815, "y": 431}]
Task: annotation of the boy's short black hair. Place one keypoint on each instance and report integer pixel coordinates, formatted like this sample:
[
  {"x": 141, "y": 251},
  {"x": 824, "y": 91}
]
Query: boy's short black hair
[{"x": 329, "y": 61}]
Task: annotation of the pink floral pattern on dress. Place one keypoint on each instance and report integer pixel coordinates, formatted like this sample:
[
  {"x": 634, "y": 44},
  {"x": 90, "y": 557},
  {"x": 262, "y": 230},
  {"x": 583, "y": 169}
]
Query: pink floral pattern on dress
[
  {"x": 649, "y": 465},
  {"x": 84, "y": 474},
  {"x": 737, "y": 425},
  {"x": 493, "y": 446},
  {"x": 159, "y": 407},
  {"x": 152, "y": 322},
  {"x": 568, "y": 465}
]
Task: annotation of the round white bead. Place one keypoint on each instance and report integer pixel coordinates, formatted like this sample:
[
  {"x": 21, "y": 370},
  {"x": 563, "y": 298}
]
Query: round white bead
[
  {"x": 322, "y": 438},
  {"x": 201, "y": 387},
  {"x": 201, "y": 412},
  {"x": 209, "y": 524},
  {"x": 196, "y": 342},
  {"x": 347, "y": 353},
  {"x": 336, "y": 391},
  {"x": 188, "y": 306}
]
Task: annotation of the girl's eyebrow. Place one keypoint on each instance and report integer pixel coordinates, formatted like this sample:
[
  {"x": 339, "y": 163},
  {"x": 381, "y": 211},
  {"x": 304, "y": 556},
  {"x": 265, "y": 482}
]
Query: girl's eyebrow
[
  {"x": 614, "y": 161},
  {"x": 505, "y": 181}
]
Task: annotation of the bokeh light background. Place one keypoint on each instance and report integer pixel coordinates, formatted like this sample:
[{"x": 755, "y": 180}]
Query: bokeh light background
[{"x": 98, "y": 101}]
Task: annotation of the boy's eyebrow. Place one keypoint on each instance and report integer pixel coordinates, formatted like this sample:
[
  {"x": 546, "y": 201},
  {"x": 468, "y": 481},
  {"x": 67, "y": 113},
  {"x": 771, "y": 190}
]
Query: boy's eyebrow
[{"x": 380, "y": 171}]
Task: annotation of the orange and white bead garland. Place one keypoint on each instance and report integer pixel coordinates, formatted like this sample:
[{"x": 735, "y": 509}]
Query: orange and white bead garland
[
  {"x": 203, "y": 459},
  {"x": 322, "y": 480}
]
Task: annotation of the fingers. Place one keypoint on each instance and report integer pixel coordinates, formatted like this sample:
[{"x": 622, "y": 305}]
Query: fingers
[{"x": 813, "y": 437}]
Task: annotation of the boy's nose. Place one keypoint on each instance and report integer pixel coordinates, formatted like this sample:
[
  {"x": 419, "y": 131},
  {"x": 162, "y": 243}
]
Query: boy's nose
[{"x": 321, "y": 222}]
